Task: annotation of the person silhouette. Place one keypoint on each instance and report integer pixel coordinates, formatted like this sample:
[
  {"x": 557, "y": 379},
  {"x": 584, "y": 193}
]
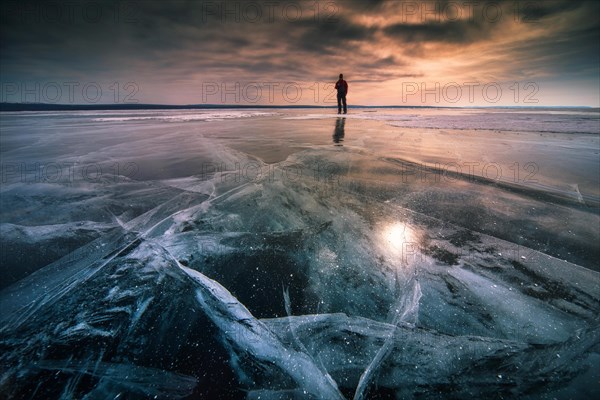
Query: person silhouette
[
  {"x": 342, "y": 90},
  {"x": 339, "y": 131}
]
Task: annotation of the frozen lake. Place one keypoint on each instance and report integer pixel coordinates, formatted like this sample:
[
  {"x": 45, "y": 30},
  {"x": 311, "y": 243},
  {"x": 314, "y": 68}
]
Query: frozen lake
[{"x": 288, "y": 253}]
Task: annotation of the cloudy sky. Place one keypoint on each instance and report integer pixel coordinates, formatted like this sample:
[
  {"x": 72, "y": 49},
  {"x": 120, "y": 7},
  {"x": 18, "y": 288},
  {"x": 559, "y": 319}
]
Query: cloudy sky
[{"x": 451, "y": 53}]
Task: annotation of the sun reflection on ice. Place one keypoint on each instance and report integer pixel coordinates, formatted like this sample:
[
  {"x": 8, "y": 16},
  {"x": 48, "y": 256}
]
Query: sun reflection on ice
[
  {"x": 398, "y": 234},
  {"x": 399, "y": 242}
]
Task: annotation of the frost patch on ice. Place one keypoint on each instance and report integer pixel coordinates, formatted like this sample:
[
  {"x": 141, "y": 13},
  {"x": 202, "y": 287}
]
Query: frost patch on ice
[
  {"x": 84, "y": 329},
  {"x": 179, "y": 116}
]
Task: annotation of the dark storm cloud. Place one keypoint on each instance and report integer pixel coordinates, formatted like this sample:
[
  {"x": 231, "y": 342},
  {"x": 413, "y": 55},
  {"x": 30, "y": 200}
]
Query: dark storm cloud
[
  {"x": 331, "y": 36},
  {"x": 453, "y": 32},
  {"x": 572, "y": 55},
  {"x": 37, "y": 40},
  {"x": 369, "y": 6},
  {"x": 480, "y": 19},
  {"x": 378, "y": 64},
  {"x": 532, "y": 11},
  {"x": 568, "y": 49},
  {"x": 151, "y": 34}
]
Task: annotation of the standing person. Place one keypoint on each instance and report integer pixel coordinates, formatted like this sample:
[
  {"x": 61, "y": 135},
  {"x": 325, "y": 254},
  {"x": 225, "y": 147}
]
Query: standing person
[{"x": 342, "y": 90}]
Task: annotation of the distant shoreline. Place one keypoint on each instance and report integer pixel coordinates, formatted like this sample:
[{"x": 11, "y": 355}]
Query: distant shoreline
[{"x": 137, "y": 106}]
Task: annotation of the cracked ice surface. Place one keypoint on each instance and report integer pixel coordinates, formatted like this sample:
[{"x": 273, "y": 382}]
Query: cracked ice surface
[{"x": 226, "y": 268}]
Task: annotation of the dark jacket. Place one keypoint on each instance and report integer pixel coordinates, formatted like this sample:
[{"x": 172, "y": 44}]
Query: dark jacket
[{"x": 342, "y": 87}]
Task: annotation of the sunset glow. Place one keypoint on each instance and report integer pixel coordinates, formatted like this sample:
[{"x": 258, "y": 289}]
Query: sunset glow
[{"x": 427, "y": 53}]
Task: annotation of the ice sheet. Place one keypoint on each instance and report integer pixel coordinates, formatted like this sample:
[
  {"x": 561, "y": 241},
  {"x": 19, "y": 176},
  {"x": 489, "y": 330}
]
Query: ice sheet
[{"x": 205, "y": 262}]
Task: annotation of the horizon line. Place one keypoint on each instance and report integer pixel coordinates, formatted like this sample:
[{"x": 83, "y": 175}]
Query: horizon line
[{"x": 30, "y": 106}]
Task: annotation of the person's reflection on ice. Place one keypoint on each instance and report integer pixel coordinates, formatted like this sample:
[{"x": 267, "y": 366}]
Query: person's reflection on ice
[{"x": 338, "y": 132}]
